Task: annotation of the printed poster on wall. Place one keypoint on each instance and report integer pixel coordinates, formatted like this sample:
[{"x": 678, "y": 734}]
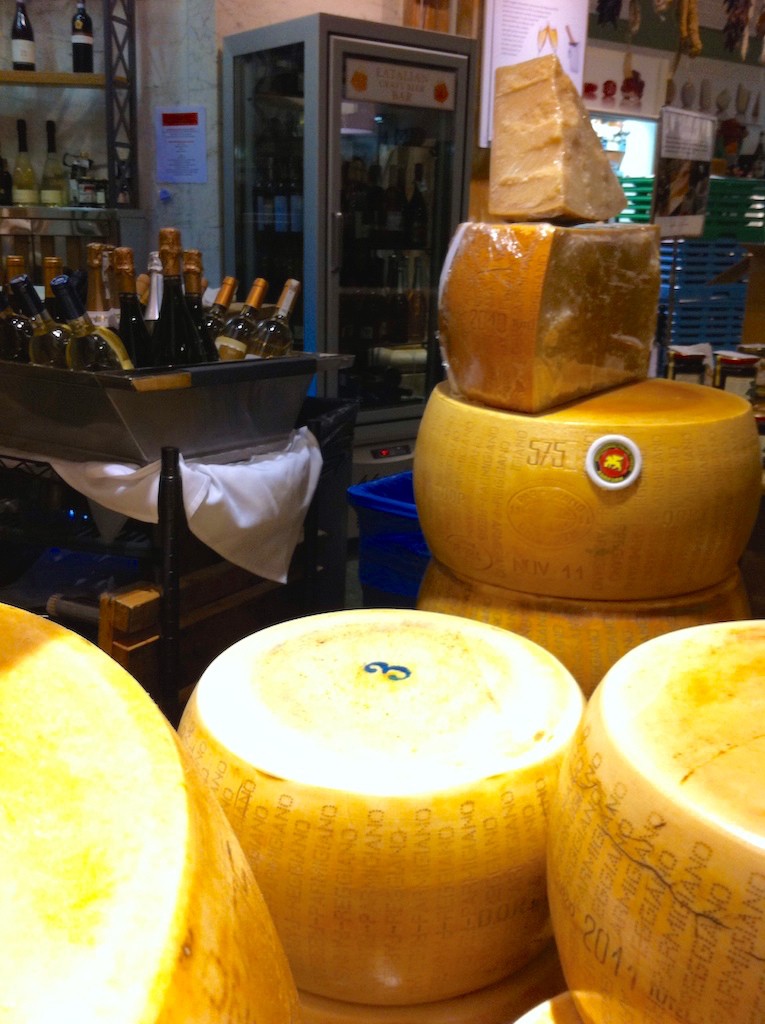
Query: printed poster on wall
[
  {"x": 518, "y": 30},
  {"x": 181, "y": 145},
  {"x": 681, "y": 183}
]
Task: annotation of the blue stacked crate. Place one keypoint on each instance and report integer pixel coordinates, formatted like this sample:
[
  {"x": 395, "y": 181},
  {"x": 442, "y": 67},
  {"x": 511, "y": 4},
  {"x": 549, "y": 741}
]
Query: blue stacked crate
[
  {"x": 393, "y": 553},
  {"x": 695, "y": 310}
]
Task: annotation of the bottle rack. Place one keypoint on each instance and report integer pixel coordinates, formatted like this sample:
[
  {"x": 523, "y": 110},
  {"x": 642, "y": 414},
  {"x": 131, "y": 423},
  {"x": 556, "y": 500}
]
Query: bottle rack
[{"x": 118, "y": 85}]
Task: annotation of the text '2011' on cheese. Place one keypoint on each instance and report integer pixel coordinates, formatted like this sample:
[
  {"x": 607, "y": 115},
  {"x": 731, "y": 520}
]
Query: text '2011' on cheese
[
  {"x": 547, "y": 162},
  {"x": 125, "y": 895},
  {"x": 656, "y": 860},
  {"x": 533, "y": 315}
]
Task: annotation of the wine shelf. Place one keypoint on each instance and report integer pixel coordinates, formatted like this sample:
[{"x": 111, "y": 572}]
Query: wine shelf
[{"x": 57, "y": 79}]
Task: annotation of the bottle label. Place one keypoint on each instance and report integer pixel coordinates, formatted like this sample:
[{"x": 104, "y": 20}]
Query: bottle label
[
  {"x": 234, "y": 344},
  {"x": 100, "y": 317},
  {"x": 80, "y": 39},
  {"x": 51, "y": 197},
  {"x": 23, "y": 51},
  {"x": 25, "y": 197}
]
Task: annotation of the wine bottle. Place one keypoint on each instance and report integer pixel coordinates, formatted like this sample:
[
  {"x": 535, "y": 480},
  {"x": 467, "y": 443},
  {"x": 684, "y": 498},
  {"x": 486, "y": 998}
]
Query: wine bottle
[
  {"x": 132, "y": 329},
  {"x": 273, "y": 336},
  {"x": 90, "y": 347},
  {"x": 82, "y": 39},
  {"x": 6, "y": 183},
  {"x": 192, "y": 289},
  {"x": 234, "y": 339},
  {"x": 52, "y": 267},
  {"x": 151, "y": 313},
  {"x": 110, "y": 285},
  {"x": 14, "y": 267},
  {"x": 417, "y": 307},
  {"x": 49, "y": 342},
  {"x": 54, "y": 186},
  {"x": 95, "y": 302},
  {"x": 416, "y": 213},
  {"x": 15, "y": 333},
  {"x": 216, "y": 317},
  {"x": 176, "y": 338},
  {"x": 22, "y": 40},
  {"x": 25, "y": 188}
]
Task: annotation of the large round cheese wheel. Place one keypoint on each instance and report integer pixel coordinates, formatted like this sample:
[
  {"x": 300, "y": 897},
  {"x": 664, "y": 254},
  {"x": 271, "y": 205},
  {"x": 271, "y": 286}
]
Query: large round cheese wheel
[
  {"x": 125, "y": 895},
  {"x": 496, "y": 1004},
  {"x": 388, "y": 772},
  {"x": 648, "y": 490},
  {"x": 657, "y": 835},
  {"x": 587, "y": 636},
  {"x": 561, "y": 1009}
]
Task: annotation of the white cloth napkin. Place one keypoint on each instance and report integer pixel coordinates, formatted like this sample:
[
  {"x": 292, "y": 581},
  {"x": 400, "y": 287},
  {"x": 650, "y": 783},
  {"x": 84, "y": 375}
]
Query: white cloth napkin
[{"x": 249, "y": 506}]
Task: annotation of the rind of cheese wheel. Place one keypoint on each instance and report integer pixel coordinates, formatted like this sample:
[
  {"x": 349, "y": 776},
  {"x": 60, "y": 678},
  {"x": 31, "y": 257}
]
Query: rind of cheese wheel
[
  {"x": 561, "y": 1009},
  {"x": 125, "y": 895},
  {"x": 496, "y": 1004},
  {"x": 504, "y": 498},
  {"x": 657, "y": 835},
  {"x": 587, "y": 636},
  {"x": 546, "y": 161},
  {"x": 387, "y": 773},
  {"x": 531, "y": 315}
]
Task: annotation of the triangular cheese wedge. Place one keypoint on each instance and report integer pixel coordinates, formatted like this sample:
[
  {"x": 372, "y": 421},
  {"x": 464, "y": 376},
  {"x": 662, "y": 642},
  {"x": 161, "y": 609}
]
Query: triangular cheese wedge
[
  {"x": 547, "y": 162},
  {"x": 125, "y": 897}
]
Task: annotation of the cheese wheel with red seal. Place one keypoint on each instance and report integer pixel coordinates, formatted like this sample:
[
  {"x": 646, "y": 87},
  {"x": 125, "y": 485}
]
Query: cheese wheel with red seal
[
  {"x": 587, "y": 636},
  {"x": 387, "y": 772},
  {"x": 657, "y": 835},
  {"x": 647, "y": 490},
  {"x": 125, "y": 895}
]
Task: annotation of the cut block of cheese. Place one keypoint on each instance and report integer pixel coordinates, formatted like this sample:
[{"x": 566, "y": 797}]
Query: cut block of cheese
[
  {"x": 125, "y": 895},
  {"x": 561, "y": 1009},
  {"x": 547, "y": 162},
  {"x": 657, "y": 835},
  {"x": 496, "y": 1004},
  {"x": 518, "y": 501},
  {"x": 532, "y": 315},
  {"x": 387, "y": 772},
  {"x": 587, "y": 636}
]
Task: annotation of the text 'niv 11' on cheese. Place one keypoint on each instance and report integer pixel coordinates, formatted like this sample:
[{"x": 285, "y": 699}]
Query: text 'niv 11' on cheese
[
  {"x": 532, "y": 315},
  {"x": 547, "y": 162},
  {"x": 386, "y": 771},
  {"x": 656, "y": 860},
  {"x": 125, "y": 897}
]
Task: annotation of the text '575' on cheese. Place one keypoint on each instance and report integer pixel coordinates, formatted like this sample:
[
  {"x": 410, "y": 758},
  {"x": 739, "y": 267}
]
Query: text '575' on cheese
[
  {"x": 656, "y": 861},
  {"x": 547, "y": 162},
  {"x": 386, "y": 771},
  {"x": 125, "y": 897},
  {"x": 532, "y": 315}
]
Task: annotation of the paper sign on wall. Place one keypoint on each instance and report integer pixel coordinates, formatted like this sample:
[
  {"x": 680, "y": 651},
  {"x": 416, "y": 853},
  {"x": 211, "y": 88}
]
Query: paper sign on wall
[
  {"x": 681, "y": 183},
  {"x": 181, "y": 145},
  {"x": 518, "y": 30}
]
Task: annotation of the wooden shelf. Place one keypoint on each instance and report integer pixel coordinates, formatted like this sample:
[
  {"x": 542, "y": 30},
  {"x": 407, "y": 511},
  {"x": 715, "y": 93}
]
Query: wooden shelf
[{"x": 59, "y": 79}]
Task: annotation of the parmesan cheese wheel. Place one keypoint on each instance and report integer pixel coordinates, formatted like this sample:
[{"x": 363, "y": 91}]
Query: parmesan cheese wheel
[
  {"x": 657, "y": 835},
  {"x": 387, "y": 772},
  {"x": 531, "y": 315},
  {"x": 546, "y": 160},
  {"x": 587, "y": 636},
  {"x": 647, "y": 490},
  {"x": 561, "y": 1009},
  {"x": 125, "y": 896},
  {"x": 496, "y": 1004}
]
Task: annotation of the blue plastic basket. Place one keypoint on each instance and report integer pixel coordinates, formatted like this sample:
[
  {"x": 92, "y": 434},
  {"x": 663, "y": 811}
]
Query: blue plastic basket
[{"x": 393, "y": 553}]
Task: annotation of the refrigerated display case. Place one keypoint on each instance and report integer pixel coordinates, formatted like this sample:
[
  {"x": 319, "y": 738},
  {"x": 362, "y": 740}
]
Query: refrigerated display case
[{"x": 347, "y": 149}]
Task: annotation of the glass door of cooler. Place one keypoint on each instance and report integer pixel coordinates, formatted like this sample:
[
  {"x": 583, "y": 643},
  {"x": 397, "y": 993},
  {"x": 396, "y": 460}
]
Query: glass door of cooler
[
  {"x": 399, "y": 138},
  {"x": 265, "y": 207}
]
